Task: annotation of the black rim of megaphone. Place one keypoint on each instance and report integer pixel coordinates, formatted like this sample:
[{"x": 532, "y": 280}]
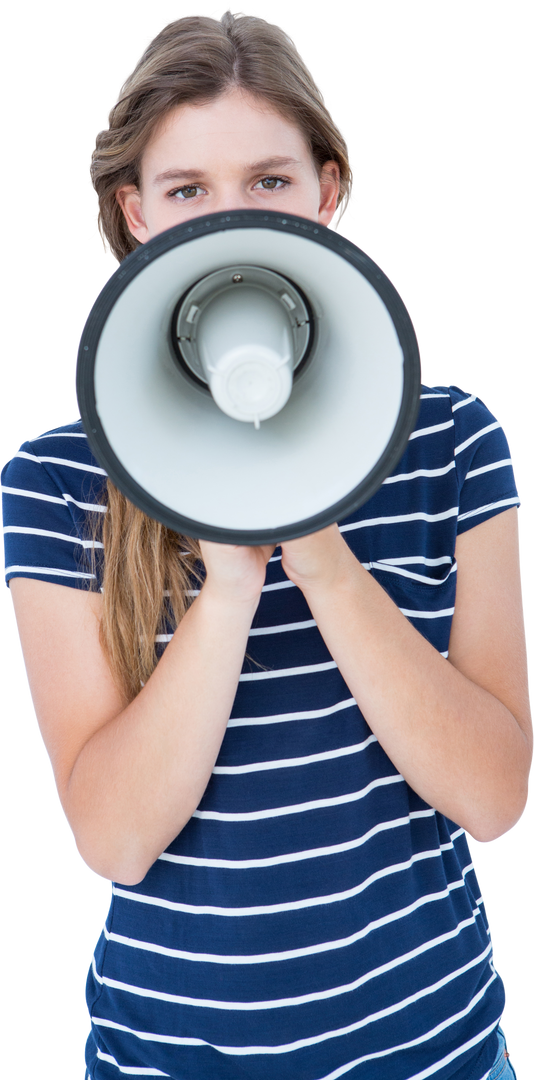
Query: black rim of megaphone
[{"x": 192, "y": 230}]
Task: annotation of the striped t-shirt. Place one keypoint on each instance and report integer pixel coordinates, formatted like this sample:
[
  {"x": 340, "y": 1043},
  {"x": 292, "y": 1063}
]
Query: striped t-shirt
[{"x": 315, "y": 918}]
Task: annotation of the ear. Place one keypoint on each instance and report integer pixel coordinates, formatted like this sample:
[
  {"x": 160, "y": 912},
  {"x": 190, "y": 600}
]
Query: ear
[
  {"x": 129, "y": 200},
  {"x": 329, "y": 185}
]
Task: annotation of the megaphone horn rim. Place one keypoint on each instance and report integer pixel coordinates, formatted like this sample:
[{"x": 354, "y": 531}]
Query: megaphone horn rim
[{"x": 272, "y": 221}]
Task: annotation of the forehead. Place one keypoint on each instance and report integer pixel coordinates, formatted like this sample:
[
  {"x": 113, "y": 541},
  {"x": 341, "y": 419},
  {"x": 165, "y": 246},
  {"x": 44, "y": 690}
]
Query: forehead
[{"x": 234, "y": 128}]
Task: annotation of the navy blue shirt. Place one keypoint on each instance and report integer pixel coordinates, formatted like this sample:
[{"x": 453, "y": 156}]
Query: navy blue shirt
[{"x": 315, "y": 918}]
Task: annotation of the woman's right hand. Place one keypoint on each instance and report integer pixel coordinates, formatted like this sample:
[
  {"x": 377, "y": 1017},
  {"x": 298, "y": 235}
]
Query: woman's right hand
[{"x": 235, "y": 573}]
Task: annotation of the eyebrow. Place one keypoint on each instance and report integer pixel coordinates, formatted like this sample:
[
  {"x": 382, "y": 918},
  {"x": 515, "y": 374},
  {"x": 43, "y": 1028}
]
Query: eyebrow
[{"x": 268, "y": 165}]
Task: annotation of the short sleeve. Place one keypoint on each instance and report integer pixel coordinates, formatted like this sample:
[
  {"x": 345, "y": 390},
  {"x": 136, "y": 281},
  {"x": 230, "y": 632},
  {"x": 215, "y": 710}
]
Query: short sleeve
[
  {"x": 483, "y": 465},
  {"x": 51, "y": 501}
]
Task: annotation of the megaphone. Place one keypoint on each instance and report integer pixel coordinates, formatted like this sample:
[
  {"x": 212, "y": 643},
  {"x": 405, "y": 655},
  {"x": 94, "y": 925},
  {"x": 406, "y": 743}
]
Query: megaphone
[{"x": 248, "y": 377}]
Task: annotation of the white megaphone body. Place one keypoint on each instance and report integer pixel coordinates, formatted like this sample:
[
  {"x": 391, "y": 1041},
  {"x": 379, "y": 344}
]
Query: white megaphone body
[{"x": 248, "y": 377}]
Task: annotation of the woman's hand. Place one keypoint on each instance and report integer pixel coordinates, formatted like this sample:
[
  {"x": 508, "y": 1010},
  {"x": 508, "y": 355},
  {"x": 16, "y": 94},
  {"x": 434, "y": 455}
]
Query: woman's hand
[
  {"x": 235, "y": 573},
  {"x": 317, "y": 561}
]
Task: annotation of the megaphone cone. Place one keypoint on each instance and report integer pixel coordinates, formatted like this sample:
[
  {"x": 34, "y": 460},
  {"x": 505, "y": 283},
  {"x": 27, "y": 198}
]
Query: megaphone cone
[{"x": 248, "y": 378}]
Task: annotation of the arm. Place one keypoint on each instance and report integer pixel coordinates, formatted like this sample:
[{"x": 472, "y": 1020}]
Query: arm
[
  {"x": 458, "y": 730},
  {"x": 129, "y": 775}
]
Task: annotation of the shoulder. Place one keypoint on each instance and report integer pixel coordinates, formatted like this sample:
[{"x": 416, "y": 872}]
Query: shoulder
[
  {"x": 471, "y": 437},
  {"x": 43, "y": 441},
  {"x": 464, "y": 409},
  {"x": 60, "y": 458}
]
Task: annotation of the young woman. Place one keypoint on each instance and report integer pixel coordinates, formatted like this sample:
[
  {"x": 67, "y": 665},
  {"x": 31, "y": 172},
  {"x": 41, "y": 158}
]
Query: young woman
[{"x": 292, "y": 888}]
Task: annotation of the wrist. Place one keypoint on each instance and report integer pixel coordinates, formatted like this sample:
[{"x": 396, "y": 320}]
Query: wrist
[
  {"x": 225, "y": 601},
  {"x": 321, "y": 563}
]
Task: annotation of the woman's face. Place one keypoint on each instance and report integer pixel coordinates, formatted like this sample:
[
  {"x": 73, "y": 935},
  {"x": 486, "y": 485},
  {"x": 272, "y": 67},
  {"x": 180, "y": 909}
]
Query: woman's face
[{"x": 235, "y": 153}]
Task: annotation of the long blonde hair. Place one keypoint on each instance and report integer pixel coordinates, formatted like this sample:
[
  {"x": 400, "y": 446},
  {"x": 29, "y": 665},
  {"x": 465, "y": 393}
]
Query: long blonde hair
[{"x": 147, "y": 567}]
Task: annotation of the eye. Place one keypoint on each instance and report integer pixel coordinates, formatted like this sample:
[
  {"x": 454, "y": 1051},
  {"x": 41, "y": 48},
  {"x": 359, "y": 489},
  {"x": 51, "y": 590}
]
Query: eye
[
  {"x": 272, "y": 183},
  {"x": 189, "y": 191}
]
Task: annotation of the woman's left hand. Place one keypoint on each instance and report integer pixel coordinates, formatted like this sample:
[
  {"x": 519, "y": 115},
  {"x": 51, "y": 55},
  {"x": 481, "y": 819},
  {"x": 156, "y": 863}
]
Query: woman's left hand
[{"x": 318, "y": 560}]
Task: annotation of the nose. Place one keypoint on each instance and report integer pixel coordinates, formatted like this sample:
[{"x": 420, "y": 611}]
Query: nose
[{"x": 231, "y": 201}]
